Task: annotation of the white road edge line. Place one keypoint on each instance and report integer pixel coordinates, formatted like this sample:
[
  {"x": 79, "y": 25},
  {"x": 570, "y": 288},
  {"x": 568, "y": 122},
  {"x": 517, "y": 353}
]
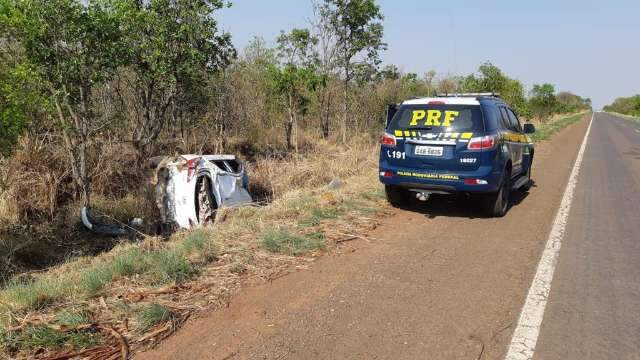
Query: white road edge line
[{"x": 525, "y": 336}]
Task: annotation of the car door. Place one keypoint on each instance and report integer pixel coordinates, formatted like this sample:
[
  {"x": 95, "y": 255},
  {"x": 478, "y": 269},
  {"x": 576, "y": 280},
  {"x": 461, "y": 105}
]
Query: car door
[
  {"x": 518, "y": 140},
  {"x": 507, "y": 137}
]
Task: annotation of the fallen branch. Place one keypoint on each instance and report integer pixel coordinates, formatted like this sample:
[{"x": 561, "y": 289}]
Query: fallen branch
[
  {"x": 154, "y": 333},
  {"x": 124, "y": 346},
  {"x": 368, "y": 239},
  {"x": 338, "y": 241}
]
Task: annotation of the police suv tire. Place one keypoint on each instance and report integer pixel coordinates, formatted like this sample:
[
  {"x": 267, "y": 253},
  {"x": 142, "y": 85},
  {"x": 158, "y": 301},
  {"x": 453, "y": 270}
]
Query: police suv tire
[
  {"x": 397, "y": 196},
  {"x": 526, "y": 187},
  {"x": 496, "y": 204}
]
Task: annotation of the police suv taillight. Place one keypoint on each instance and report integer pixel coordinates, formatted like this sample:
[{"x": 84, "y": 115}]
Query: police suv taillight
[
  {"x": 388, "y": 140},
  {"x": 483, "y": 142}
]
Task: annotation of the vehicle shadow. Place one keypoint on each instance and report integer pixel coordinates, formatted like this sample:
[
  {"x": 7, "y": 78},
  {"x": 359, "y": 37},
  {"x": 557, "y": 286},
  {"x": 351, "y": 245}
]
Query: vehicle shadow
[{"x": 462, "y": 205}]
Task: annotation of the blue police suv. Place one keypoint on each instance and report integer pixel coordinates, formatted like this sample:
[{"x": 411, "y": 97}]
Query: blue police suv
[{"x": 466, "y": 143}]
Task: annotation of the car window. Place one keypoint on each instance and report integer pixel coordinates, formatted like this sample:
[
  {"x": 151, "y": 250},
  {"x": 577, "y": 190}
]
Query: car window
[
  {"x": 513, "y": 120},
  {"x": 438, "y": 118},
  {"x": 504, "y": 119}
]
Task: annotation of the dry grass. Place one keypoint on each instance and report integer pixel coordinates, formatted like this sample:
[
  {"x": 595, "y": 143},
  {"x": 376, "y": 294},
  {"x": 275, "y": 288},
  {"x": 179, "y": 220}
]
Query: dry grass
[
  {"x": 202, "y": 268},
  {"x": 32, "y": 180},
  {"x": 329, "y": 161},
  {"x": 546, "y": 130}
]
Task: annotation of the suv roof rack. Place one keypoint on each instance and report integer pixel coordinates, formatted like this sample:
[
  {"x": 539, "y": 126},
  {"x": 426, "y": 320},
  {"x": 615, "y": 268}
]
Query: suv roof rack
[{"x": 479, "y": 94}]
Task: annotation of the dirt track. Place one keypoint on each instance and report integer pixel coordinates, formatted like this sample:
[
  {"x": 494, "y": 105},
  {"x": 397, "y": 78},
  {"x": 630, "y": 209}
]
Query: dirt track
[{"x": 437, "y": 282}]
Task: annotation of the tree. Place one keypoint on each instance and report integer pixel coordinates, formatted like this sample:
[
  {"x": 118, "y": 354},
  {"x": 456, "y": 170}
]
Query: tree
[
  {"x": 326, "y": 48},
  {"x": 295, "y": 77},
  {"x": 449, "y": 84},
  {"x": 358, "y": 35},
  {"x": 491, "y": 79},
  {"x": 625, "y": 105},
  {"x": 429, "y": 78},
  {"x": 75, "y": 47},
  {"x": 569, "y": 102},
  {"x": 173, "y": 46},
  {"x": 389, "y": 72},
  {"x": 543, "y": 100},
  {"x": 21, "y": 99}
]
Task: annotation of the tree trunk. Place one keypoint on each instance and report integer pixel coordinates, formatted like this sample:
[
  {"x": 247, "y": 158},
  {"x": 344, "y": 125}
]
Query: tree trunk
[
  {"x": 85, "y": 183},
  {"x": 345, "y": 106},
  {"x": 76, "y": 148},
  {"x": 289, "y": 124}
]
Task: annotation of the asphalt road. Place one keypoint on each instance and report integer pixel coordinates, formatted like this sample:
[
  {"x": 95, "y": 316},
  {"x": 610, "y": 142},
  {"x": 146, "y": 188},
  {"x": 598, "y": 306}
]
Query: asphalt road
[
  {"x": 435, "y": 282},
  {"x": 594, "y": 305}
]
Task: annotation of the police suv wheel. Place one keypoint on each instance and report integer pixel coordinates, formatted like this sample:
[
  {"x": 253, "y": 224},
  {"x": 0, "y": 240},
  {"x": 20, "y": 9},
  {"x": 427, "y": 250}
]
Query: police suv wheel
[
  {"x": 397, "y": 196},
  {"x": 496, "y": 204},
  {"x": 526, "y": 187}
]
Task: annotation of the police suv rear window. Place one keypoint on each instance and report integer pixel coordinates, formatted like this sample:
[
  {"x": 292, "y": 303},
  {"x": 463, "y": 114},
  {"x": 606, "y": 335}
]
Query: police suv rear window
[{"x": 438, "y": 118}]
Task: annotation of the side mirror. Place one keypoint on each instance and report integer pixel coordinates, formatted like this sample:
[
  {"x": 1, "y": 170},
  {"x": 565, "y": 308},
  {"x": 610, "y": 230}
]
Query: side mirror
[
  {"x": 529, "y": 128},
  {"x": 391, "y": 111}
]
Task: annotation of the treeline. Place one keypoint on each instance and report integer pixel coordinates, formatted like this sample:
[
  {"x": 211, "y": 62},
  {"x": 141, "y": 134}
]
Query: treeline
[
  {"x": 89, "y": 89},
  {"x": 625, "y": 105}
]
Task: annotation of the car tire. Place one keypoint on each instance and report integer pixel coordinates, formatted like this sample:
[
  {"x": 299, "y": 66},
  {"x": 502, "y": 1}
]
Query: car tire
[
  {"x": 497, "y": 204},
  {"x": 397, "y": 196},
  {"x": 526, "y": 187}
]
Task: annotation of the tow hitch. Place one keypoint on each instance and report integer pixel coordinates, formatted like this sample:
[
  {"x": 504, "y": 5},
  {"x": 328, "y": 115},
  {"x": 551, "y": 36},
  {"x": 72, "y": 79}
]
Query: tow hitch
[{"x": 422, "y": 196}]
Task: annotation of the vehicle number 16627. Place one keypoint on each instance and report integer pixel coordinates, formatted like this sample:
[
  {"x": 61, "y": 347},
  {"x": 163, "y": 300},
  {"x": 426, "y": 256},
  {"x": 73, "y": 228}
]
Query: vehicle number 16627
[{"x": 396, "y": 154}]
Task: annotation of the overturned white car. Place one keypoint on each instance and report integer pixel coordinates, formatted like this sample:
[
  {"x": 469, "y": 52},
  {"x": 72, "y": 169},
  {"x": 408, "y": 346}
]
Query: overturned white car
[{"x": 189, "y": 190}]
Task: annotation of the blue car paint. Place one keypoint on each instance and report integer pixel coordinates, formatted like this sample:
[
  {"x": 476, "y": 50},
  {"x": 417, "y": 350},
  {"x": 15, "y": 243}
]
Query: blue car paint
[{"x": 490, "y": 165}]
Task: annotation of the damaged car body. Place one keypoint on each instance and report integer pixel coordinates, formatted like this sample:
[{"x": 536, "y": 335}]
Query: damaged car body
[{"x": 189, "y": 189}]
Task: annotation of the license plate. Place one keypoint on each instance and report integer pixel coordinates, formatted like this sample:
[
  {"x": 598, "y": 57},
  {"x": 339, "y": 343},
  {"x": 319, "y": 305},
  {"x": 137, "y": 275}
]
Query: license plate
[{"x": 428, "y": 150}]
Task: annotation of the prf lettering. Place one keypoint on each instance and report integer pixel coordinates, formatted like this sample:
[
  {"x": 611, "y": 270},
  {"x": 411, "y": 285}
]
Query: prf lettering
[{"x": 433, "y": 117}]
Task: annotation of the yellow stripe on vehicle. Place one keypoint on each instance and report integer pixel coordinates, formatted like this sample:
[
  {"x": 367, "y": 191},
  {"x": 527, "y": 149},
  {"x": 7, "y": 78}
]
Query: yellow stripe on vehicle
[
  {"x": 398, "y": 132},
  {"x": 466, "y": 135},
  {"x": 407, "y": 133}
]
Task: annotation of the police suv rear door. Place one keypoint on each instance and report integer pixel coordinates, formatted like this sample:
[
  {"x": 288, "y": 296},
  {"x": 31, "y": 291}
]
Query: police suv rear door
[
  {"x": 521, "y": 138},
  {"x": 511, "y": 136}
]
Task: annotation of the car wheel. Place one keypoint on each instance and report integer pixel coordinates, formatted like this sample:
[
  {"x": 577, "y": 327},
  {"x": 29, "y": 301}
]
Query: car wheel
[
  {"x": 496, "y": 204},
  {"x": 526, "y": 187},
  {"x": 397, "y": 196}
]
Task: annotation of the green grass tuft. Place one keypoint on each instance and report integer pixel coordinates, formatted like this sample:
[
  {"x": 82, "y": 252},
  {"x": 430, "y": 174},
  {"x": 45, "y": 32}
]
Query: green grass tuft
[
  {"x": 72, "y": 318},
  {"x": 39, "y": 337},
  {"x": 83, "y": 340},
  {"x": 152, "y": 315},
  {"x": 319, "y": 214},
  {"x": 130, "y": 263},
  {"x": 37, "y": 293},
  {"x": 283, "y": 241},
  {"x": 195, "y": 241},
  {"x": 171, "y": 266},
  {"x": 94, "y": 280}
]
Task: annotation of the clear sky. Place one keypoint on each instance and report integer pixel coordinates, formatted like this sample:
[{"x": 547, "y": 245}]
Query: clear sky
[{"x": 589, "y": 47}]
